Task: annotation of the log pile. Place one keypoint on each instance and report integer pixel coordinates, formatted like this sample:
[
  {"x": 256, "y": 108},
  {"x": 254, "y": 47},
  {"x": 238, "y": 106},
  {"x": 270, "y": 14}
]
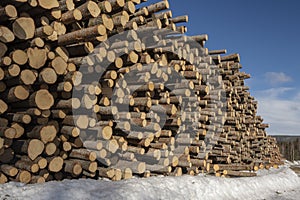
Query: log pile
[{"x": 112, "y": 89}]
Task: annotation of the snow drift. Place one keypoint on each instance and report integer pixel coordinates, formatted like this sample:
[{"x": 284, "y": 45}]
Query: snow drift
[{"x": 265, "y": 186}]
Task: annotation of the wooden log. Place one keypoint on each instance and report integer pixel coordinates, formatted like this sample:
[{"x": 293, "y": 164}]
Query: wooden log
[
  {"x": 90, "y": 8},
  {"x": 27, "y": 165},
  {"x": 70, "y": 130},
  {"x": 55, "y": 164},
  {"x": 20, "y": 118},
  {"x": 83, "y": 154},
  {"x": 37, "y": 57},
  {"x": 80, "y": 121},
  {"x": 37, "y": 179},
  {"x": 18, "y": 93},
  {"x": 239, "y": 173},
  {"x": 3, "y": 49},
  {"x": 106, "y": 172},
  {"x": 42, "y": 99},
  {"x": 136, "y": 167},
  {"x": 105, "y": 6},
  {"x": 33, "y": 148},
  {"x": 19, "y": 57},
  {"x": 44, "y": 133},
  {"x": 72, "y": 167},
  {"x": 9, "y": 170},
  {"x": 6, "y": 132},
  {"x": 219, "y": 167},
  {"x": 180, "y": 19},
  {"x": 8, "y": 12},
  {"x": 3, "y": 106},
  {"x": 71, "y": 16},
  {"x": 23, "y": 28},
  {"x": 23, "y": 176},
  {"x": 82, "y": 35},
  {"x": 48, "y": 5},
  {"x": 87, "y": 165},
  {"x": 6, "y": 35}
]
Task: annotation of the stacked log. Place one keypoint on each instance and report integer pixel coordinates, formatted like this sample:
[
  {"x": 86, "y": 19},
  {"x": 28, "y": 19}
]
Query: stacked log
[{"x": 96, "y": 88}]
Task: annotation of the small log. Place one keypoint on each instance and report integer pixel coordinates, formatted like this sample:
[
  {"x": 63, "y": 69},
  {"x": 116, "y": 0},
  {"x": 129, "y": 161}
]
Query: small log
[
  {"x": 27, "y": 165},
  {"x": 239, "y": 173},
  {"x": 9, "y": 170},
  {"x": 6, "y": 132},
  {"x": 82, "y": 35},
  {"x": 83, "y": 154},
  {"x": 6, "y": 35},
  {"x": 8, "y": 12},
  {"x": 72, "y": 167}
]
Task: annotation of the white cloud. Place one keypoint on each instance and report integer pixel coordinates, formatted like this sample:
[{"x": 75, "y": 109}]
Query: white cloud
[
  {"x": 277, "y": 78},
  {"x": 283, "y": 115},
  {"x": 275, "y": 92}
]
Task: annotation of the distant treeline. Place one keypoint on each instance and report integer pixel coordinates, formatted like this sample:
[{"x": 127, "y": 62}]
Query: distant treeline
[{"x": 289, "y": 147}]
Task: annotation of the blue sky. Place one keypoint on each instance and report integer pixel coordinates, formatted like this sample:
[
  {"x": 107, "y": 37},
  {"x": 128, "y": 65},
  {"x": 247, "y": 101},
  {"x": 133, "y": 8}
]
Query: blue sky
[{"x": 266, "y": 33}]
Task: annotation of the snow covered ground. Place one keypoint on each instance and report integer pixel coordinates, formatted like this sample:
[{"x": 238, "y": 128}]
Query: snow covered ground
[{"x": 274, "y": 184}]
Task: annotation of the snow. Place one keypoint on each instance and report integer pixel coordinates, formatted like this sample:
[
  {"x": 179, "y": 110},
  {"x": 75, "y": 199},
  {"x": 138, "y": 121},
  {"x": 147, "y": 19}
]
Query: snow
[{"x": 282, "y": 183}]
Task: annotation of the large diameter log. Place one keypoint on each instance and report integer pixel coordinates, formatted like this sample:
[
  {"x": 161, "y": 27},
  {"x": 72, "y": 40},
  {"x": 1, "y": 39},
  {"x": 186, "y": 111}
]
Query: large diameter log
[
  {"x": 37, "y": 57},
  {"x": 48, "y": 5},
  {"x": 33, "y": 148},
  {"x": 24, "y": 28},
  {"x": 42, "y": 99}
]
